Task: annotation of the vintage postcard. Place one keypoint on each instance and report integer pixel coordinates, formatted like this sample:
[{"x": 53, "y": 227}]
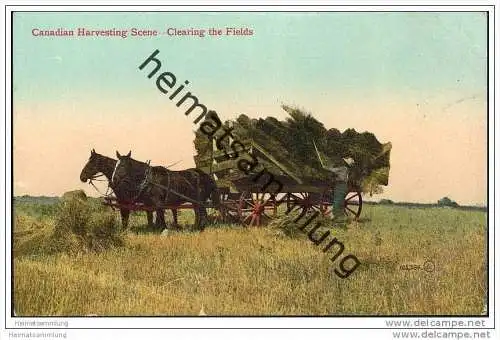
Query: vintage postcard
[{"x": 251, "y": 162}]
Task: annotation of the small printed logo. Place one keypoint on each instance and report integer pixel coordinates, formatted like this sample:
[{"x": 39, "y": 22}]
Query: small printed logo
[{"x": 428, "y": 266}]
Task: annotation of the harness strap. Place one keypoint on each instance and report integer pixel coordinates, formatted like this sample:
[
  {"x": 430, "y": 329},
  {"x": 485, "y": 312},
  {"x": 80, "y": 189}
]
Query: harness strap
[
  {"x": 187, "y": 182},
  {"x": 168, "y": 186},
  {"x": 107, "y": 194},
  {"x": 142, "y": 187}
]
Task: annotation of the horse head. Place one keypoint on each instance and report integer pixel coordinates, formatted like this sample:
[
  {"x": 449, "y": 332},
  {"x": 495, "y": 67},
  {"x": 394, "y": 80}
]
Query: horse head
[
  {"x": 122, "y": 168},
  {"x": 92, "y": 167},
  {"x": 128, "y": 175}
]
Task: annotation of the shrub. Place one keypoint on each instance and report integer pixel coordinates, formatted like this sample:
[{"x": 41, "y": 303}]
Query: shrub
[
  {"x": 386, "y": 201},
  {"x": 446, "y": 202}
]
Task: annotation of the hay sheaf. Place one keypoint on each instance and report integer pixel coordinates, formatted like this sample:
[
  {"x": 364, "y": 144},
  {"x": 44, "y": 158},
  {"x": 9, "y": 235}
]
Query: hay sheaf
[
  {"x": 291, "y": 142},
  {"x": 77, "y": 225},
  {"x": 81, "y": 225}
]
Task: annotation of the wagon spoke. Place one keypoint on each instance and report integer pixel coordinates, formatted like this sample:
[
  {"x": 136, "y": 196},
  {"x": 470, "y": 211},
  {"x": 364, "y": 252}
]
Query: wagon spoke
[
  {"x": 352, "y": 196},
  {"x": 257, "y": 220},
  {"x": 353, "y": 203},
  {"x": 253, "y": 219},
  {"x": 352, "y": 211}
]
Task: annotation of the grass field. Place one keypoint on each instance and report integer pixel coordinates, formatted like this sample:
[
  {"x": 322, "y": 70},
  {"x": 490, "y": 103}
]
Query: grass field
[{"x": 230, "y": 270}]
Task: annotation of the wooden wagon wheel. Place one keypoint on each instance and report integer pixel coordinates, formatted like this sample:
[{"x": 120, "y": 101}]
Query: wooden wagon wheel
[
  {"x": 256, "y": 209},
  {"x": 229, "y": 207},
  {"x": 353, "y": 204},
  {"x": 303, "y": 202},
  {"x": 227, "y": 211}
]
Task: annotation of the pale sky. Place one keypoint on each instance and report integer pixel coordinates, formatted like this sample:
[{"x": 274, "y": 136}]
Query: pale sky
[{"x": 415, "y": 79}]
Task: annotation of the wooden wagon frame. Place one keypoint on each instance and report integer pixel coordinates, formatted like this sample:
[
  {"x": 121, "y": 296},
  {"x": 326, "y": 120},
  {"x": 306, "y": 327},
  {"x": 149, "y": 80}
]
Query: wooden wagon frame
[{"x": 251, "y": 203}]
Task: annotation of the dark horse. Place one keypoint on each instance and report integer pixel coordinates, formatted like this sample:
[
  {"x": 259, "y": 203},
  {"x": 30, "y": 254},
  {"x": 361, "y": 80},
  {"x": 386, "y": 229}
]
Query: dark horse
[
  {"x": 98, "y": 163},
  {"x": 167, "y": 188}
]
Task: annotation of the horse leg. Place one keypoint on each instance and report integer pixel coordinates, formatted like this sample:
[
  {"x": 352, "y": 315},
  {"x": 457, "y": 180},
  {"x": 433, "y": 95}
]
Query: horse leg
[
  {"x": 203, "y": 213},
  {"x": 163, "y": 225},
  {"x": 199, "y": 219},
  {"x": 196, "y": 217},
  {"x": 150, "y": 218},
  {"x": 160, "y": 219},
  {"x": 175, "y": 215},
  {"x": 156, "y": 201},
  {"x": 125, "y": 214}
]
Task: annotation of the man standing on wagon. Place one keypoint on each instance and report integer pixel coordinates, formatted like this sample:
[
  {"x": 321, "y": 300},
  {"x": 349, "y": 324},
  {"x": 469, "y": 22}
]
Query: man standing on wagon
[{"x": 340, "y": 188}]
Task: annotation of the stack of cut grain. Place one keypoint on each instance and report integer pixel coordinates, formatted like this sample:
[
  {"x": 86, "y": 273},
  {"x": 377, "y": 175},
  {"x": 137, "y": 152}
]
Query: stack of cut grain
[{"x": 290, "y": 142}]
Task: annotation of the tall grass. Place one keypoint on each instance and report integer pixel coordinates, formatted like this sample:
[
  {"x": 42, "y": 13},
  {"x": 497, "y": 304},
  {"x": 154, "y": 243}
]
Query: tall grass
[{"x": 238, "y": 271}]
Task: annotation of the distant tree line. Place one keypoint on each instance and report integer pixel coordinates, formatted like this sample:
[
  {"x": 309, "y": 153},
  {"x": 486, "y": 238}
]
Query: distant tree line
[
  {"x": 447, "y": 202},
  {"x": 443, "y": 202}
]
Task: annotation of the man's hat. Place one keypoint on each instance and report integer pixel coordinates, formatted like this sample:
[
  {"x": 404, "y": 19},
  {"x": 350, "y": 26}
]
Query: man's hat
[{"x": 349, "y": 161}]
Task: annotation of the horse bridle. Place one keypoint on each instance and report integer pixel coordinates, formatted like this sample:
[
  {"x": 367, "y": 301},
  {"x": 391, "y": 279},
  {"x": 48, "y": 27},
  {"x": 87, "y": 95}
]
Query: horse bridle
[{"x": 96, "y": 178}]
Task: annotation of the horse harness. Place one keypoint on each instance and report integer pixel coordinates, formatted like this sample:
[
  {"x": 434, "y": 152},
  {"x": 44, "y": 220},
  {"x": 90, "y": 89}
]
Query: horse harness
[
  {"x": 96, "y": 177},
  {"x": 148, "y": 183}
]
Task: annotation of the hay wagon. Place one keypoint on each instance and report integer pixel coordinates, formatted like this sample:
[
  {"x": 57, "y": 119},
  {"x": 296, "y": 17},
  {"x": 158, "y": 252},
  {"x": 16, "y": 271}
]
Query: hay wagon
[
  {"x": 285, "y": 152},
  {"x": 250, "y": 202}
]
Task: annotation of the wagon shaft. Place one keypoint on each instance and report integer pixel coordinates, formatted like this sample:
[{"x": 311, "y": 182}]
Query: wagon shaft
[{"x": 170, "y": 190}]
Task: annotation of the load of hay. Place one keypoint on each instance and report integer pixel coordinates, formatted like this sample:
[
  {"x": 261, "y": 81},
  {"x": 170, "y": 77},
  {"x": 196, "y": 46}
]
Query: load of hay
[{"x": 291, "y": 143}]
